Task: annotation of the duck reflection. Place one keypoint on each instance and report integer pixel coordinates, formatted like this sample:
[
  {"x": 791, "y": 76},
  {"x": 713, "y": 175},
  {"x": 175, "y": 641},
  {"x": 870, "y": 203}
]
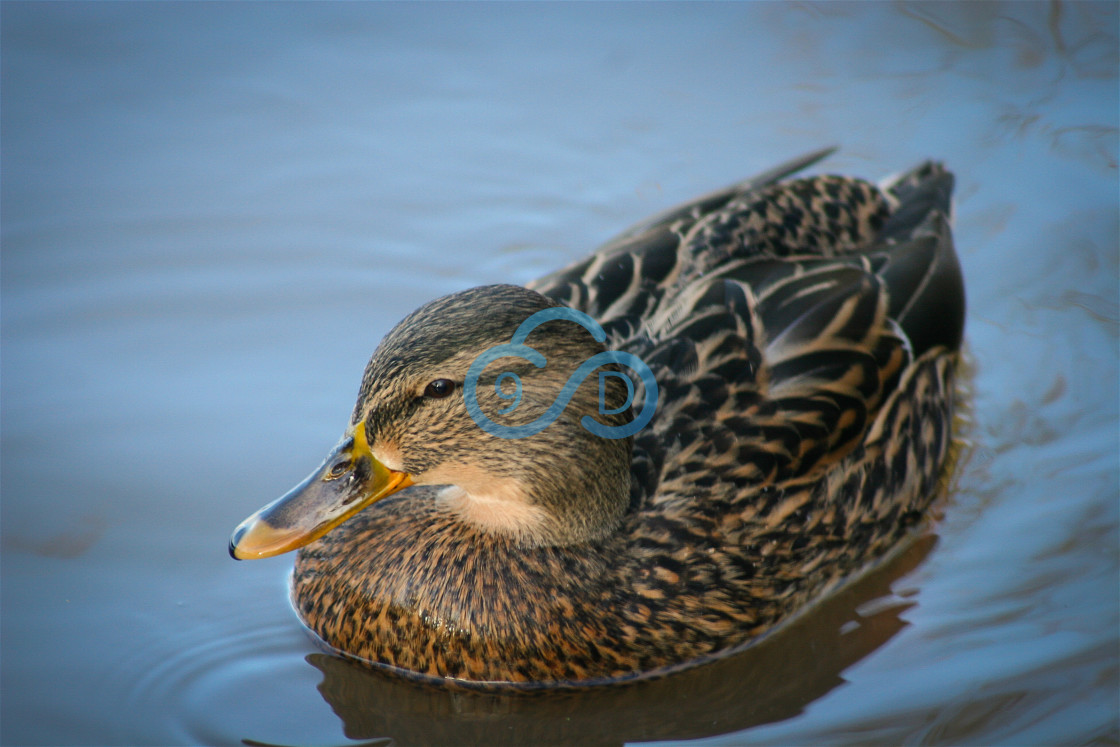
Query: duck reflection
[{"x": 771, "y": 681}]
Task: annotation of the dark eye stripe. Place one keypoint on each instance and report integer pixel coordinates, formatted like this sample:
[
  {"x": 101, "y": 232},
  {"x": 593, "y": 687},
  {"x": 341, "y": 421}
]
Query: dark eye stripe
[{"x": 439, "y": 388}]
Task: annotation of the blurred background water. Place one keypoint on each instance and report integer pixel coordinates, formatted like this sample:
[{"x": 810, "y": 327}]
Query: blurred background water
[{"x": 211, "y": 213}]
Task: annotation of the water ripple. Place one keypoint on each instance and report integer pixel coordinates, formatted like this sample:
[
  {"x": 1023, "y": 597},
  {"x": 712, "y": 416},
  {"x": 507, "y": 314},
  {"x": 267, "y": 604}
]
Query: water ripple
[{"x": 215, "y": 687}]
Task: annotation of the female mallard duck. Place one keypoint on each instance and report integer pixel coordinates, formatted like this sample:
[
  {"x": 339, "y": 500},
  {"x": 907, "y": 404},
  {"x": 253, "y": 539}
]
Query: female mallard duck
[{"x": 802, "y": 337}]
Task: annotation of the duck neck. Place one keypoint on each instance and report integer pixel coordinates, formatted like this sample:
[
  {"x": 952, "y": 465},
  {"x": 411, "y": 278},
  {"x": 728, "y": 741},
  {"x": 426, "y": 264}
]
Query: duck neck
[{"x": 568, "y": 495}]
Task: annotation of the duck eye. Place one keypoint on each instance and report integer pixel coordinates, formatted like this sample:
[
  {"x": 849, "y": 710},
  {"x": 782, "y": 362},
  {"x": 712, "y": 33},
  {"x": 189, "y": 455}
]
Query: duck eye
[{"x": 439, "y": 388}]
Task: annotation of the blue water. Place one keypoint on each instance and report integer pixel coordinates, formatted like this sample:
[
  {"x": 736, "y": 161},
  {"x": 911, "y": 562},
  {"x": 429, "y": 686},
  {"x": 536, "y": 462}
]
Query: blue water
[{"x": 211, "y": 213}]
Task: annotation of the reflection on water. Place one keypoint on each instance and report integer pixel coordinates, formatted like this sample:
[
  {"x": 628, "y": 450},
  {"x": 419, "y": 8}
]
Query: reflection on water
[
  {"x": 773, "y": 681},
  {"x": 211, "y": 213}
]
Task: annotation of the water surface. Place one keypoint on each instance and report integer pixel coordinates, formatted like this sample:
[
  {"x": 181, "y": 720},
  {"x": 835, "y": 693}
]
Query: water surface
[{"x": 211, "y": 213}]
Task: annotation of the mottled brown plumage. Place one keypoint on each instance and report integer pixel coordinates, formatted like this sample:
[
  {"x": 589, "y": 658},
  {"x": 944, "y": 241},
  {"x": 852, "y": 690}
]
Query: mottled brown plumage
[{"x": 804, "y": 337}]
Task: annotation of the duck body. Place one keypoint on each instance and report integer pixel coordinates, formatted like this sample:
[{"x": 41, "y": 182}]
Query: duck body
[{"x": 803, "y": 335}]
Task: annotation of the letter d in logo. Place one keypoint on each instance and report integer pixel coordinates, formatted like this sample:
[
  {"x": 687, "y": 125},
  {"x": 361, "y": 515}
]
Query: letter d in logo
[{"x": 603, "y": 392}]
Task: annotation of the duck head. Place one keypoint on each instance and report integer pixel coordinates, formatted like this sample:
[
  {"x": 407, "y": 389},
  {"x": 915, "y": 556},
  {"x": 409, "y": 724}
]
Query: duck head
[{"x": 430, "y": 411}]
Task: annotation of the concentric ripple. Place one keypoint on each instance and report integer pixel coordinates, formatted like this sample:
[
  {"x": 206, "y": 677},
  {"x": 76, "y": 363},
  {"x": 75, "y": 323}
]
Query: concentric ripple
[{"x": 228, "y": 683}]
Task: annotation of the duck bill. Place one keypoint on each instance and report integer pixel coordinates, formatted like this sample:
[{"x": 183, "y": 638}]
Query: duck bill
[{"x": 349, "y": 480}]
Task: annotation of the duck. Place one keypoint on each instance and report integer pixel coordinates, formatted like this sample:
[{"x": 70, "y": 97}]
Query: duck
[{"x": 649, "y": 459}]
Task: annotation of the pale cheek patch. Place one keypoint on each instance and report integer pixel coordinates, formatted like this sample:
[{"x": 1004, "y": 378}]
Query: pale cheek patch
[
  {"x": 389, "y": 455},
  {"x": 513, "y": 519}
]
